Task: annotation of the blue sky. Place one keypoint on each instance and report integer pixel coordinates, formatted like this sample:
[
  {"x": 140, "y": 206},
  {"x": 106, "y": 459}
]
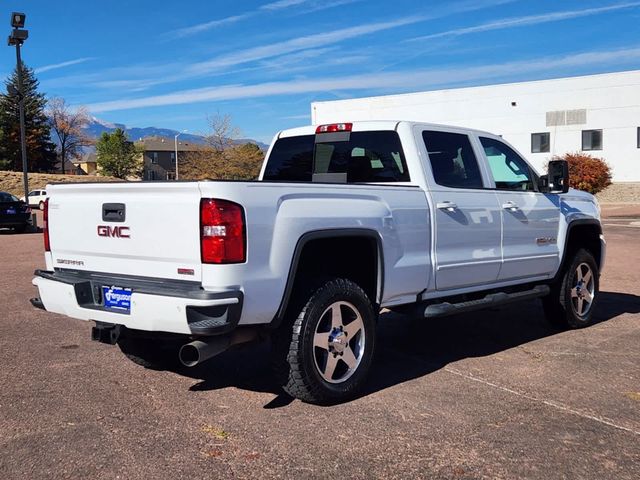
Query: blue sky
[{"x": 170, "y": 64}]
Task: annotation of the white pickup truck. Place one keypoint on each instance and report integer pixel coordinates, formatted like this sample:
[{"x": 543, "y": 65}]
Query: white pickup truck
[{"x": 345, "y": 219}]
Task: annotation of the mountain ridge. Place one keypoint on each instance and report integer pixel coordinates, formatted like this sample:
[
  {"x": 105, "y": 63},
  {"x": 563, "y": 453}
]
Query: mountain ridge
[{"x": 96, "y": 127}]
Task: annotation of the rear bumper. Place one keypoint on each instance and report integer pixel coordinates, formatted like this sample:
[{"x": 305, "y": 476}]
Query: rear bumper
[
  {"x": 156, "y": 306},
  {"x": 16, "y": 220}
]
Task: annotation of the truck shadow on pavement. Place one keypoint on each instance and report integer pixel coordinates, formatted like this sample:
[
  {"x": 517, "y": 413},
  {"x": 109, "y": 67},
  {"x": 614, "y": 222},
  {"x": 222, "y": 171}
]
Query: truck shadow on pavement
[{"x": 409, "y": 347}]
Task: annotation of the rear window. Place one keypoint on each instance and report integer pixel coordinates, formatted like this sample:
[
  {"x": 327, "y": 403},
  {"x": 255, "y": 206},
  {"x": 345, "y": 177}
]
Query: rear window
[
  {"x": 291, "y": 159},
  {"x": 374, "y": 156}
]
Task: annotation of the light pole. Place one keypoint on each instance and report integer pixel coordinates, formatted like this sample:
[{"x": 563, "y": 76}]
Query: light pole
[
  {"x": 176, "y": 152},
  {"x": 17, "y": 38}
]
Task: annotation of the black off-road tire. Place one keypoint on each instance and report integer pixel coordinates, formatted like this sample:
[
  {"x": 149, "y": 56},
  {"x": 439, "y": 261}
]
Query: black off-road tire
[
  {"x": 559, "y": 306},
  {"x": 294, "y": 356},
  {"x": 149, "y": 353}
]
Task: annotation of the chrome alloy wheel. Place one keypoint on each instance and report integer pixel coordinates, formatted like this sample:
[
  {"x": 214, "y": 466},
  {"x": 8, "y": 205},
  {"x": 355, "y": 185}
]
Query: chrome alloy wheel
[
  {"x": 338, "y": 342},
  {"x": 583, "y": 291}
]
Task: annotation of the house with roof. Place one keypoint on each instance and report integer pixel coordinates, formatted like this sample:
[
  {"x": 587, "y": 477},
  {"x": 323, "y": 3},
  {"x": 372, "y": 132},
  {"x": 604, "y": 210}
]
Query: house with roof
[{"x": 159, "y": 156}]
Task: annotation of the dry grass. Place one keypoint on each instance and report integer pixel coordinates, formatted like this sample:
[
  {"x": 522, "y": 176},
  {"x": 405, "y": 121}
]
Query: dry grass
[{"x": 12, "y": 181}]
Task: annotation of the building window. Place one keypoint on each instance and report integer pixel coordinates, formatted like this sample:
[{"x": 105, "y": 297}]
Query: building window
[
  {"x": 592, "y": 140},
  {"x": 540, "y": 142},
  {"x": 152, "y": 175},
  {"x": 638, "y": 137},
  {"x": 154, "y": 157},
  {"x": 173, "y": 156}
]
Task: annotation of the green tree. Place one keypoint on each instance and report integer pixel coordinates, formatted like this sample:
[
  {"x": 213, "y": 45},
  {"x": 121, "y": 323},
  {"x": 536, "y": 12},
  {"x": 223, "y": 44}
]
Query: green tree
[
  {"x": 117, "y": 156},
  {"x": 41, "y": 156}
]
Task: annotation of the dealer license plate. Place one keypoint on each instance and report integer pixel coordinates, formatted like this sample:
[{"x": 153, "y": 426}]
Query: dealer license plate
[{"x": 117, "y": 298}]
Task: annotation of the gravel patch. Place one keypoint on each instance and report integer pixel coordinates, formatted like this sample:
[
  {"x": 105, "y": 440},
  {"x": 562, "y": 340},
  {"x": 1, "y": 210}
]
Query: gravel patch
[{"x": 627, "y": 192}]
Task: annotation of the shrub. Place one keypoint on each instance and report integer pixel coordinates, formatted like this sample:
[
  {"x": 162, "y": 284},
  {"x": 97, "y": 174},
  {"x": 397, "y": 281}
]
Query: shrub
[{"x": 587, "y": 173}]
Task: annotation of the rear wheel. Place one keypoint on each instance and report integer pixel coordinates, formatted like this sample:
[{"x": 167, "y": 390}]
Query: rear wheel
[
  {"x": 20, "y": 229},
  {"x": 571, "y": 303},
  {"x": 325, "y": 353}
]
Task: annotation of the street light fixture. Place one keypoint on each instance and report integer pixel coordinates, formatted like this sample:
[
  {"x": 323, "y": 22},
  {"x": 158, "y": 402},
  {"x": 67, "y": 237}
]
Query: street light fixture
[
  {"x": 176, "y": 149},
  {"x": 18, "y": 19},
  {"x": 17, "y": 38}
]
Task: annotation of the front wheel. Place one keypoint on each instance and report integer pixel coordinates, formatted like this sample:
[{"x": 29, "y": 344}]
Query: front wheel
[
  {"x": 325, "y": 353},
  {"x": 571, "y": 303}
]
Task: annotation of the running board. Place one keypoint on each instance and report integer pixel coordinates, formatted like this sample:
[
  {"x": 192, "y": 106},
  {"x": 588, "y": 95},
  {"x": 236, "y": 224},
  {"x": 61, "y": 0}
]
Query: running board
[{"x": 493, "y": 299}]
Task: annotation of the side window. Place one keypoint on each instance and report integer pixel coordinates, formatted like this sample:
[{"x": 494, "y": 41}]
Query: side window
[
  {"x": 509, "y": 170},
  {"x": 452, "y": 159}
]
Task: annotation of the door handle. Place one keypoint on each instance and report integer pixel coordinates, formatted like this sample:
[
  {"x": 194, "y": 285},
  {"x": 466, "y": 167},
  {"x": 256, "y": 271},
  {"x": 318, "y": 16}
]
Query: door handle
[
  {"x": 447, "y": 205},
  {"x": 510, "y": 206}
]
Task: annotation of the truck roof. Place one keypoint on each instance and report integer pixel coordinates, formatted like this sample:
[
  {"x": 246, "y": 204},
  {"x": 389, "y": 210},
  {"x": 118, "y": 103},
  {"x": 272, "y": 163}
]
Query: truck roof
[{"x": 368, "y": 125}]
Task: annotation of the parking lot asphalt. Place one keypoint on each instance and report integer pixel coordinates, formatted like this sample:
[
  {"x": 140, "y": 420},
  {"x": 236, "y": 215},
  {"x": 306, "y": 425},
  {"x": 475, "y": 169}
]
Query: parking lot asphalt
[{"x": 493, "y": 394}]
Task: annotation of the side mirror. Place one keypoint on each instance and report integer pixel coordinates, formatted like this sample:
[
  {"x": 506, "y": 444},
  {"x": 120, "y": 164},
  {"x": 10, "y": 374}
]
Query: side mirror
[{"x": 557, "y": 178}]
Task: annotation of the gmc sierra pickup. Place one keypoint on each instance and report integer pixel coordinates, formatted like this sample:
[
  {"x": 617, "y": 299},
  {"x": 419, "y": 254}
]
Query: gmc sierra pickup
[{"x": 345, "y": 219}]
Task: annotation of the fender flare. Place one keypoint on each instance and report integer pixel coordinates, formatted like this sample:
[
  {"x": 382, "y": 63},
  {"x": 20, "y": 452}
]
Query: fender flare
[
  {"x": 326, "y": 234},
  {"x": 574, "y": 223}
]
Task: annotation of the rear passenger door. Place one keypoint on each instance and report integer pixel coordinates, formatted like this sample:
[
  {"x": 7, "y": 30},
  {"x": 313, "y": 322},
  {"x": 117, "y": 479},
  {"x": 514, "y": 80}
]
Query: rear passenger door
[
  {"x": 467, "y": 216},
  {"x": 530, "y": 219}
]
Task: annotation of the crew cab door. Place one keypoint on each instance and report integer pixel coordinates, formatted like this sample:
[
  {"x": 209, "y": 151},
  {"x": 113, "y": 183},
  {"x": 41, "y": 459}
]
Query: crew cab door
[
  {"x": 530, "y": 219},
  {"x": 466, "y": 217}
]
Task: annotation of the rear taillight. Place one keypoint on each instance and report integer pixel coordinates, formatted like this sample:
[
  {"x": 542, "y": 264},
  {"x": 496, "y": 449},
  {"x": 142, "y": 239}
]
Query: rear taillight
[
  {"x": 222, "y": 231},
  {"x": 45, "y": 226}
]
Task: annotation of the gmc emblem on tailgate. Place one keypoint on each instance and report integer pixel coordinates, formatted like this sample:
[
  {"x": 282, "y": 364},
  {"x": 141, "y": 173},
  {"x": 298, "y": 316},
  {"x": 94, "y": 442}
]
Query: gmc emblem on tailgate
[{"x": 114, "y": 232}]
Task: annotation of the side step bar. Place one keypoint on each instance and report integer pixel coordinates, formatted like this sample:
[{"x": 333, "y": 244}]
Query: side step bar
[{"x": 493, "y": 299}]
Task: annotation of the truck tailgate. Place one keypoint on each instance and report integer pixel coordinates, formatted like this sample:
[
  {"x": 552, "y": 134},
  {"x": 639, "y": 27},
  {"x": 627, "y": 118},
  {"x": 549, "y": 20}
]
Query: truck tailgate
[{"x": 142, "y": 229}]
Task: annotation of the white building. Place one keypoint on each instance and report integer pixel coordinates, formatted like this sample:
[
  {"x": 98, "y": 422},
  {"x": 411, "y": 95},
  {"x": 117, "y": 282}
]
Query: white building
[{"x": 595, "y": 114}]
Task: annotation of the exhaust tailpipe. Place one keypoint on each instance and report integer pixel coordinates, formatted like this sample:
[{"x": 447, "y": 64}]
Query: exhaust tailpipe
[{"x": 198, "y": 351}]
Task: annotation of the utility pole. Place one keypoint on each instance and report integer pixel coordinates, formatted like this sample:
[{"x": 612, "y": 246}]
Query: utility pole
[
  {"x": 17, "y": 38},
  {"x": 176, "y": 150}
]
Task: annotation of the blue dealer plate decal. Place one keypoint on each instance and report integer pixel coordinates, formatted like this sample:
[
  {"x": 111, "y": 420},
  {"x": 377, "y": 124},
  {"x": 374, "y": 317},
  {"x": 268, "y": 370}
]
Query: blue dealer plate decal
[{"x": 117, "y": 298}]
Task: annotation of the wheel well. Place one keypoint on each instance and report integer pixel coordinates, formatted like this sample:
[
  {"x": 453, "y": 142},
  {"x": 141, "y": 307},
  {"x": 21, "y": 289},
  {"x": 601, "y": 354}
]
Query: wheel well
[
  {"x": 354, "y": 257},
  {"x": 585, "y": 236}
]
